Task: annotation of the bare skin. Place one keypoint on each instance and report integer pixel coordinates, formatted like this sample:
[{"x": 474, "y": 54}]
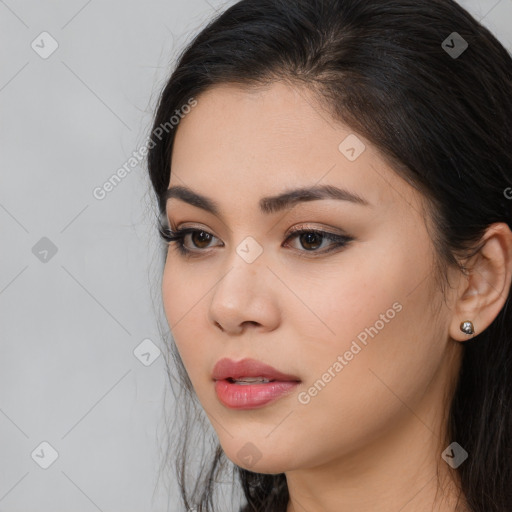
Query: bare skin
[{"x": 372, "y": 437}]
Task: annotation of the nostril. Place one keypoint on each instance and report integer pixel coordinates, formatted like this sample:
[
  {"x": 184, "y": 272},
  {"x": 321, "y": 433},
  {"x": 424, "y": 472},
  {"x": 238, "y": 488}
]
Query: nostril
[{"x": 219, "y": 326}]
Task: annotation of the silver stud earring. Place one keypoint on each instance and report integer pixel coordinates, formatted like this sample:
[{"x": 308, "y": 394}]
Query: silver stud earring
[{"x": 467, "y": 327}]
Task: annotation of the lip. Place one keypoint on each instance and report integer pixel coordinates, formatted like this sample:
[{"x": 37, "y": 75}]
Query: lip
[
  {"x": 226, "y": 368},
  {"x": 250, "y": 396}
]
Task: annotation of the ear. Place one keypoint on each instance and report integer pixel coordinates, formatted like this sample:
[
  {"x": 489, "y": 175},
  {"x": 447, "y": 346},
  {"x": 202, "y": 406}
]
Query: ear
[{"x": 484, "y": 291}]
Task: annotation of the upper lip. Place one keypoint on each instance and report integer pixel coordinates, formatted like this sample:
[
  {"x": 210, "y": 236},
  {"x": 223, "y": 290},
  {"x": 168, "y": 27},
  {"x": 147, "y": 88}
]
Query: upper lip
[{"x": 227, "y": 368}]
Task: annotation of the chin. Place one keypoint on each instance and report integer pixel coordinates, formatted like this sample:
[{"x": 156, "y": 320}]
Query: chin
[{"x": 248, "y": 456}]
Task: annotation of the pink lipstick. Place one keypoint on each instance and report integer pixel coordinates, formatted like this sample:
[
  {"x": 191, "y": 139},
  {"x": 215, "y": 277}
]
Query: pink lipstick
[{"x": 249, "y": 384}]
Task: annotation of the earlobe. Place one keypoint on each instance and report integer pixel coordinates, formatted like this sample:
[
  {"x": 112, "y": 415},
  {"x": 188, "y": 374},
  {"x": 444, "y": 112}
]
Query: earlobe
[{"x": 485, "y": 290}]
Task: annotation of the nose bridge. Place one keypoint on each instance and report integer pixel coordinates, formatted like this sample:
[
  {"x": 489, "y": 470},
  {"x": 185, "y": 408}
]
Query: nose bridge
[
  {"x": 241, "y": 294},
  {"x": 243, "y": 273},
  {"x": 246, "y": 260}
]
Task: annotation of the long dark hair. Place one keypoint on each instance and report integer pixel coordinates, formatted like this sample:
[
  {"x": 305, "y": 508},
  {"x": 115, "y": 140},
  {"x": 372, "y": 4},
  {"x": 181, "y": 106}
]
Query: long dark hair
[{"x": 441, "y": 115}]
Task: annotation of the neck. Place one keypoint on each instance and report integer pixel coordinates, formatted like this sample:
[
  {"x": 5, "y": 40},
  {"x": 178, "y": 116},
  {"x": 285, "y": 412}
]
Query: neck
[{"x": 395, "y": 476}]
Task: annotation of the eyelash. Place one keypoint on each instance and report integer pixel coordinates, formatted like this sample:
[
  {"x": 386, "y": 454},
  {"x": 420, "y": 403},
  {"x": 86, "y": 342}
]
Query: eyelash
[{"x": 170, "y": 236}]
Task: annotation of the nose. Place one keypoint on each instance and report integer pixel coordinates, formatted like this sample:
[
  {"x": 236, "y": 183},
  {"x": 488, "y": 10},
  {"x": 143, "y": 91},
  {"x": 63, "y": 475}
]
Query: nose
[{"x": 245, "y": 296}]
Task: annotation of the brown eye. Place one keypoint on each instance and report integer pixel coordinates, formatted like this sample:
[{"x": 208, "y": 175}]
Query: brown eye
[
  {"x": 200, "y": 239},
  {"x": 311, "y": 240}
]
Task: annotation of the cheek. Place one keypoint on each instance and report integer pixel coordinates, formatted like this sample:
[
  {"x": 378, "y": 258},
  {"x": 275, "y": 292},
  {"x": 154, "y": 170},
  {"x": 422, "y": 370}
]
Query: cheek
[
  {"x": 171, "y": 283},
  {"x": 381, "y": 326},
  {"x": 182, "y": 293},
  {"x": 378, "y": 291},
  {"x": 334, "y": 306},
  {"x": 183, "y": 290}
]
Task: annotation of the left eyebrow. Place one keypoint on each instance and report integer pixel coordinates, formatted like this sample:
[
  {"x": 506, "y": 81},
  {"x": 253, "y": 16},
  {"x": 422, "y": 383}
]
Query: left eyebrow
[{"x": 271, "y": 204}]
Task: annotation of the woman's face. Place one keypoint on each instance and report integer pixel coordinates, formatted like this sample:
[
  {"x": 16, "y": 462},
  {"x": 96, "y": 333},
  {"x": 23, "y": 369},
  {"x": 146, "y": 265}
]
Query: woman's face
[{"x": 358, "y": 321}]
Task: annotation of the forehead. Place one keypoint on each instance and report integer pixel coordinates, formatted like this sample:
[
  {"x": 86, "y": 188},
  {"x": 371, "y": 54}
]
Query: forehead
[{"x": 240, "y": 145}]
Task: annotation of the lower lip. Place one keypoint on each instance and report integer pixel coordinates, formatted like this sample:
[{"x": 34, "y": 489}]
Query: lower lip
[{"x": 251, "y": 396}]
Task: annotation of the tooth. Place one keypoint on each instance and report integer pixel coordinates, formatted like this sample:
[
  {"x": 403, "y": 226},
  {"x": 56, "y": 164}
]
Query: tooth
[{"x": 251, "y": 379}]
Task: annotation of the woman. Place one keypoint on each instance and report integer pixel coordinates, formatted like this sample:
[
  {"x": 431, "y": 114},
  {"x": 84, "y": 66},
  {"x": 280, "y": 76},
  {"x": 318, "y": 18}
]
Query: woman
[{"x": 335, "y": 199}]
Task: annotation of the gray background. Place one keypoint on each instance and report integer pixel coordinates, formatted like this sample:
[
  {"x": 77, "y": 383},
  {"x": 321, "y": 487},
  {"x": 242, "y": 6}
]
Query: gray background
[{"x": 70, "y": 321}]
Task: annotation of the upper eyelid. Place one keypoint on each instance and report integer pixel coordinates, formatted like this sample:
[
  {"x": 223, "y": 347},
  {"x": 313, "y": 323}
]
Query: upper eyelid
[
  {"x": 300, "y": 226},
  {"x": 165, "y": 215}
]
